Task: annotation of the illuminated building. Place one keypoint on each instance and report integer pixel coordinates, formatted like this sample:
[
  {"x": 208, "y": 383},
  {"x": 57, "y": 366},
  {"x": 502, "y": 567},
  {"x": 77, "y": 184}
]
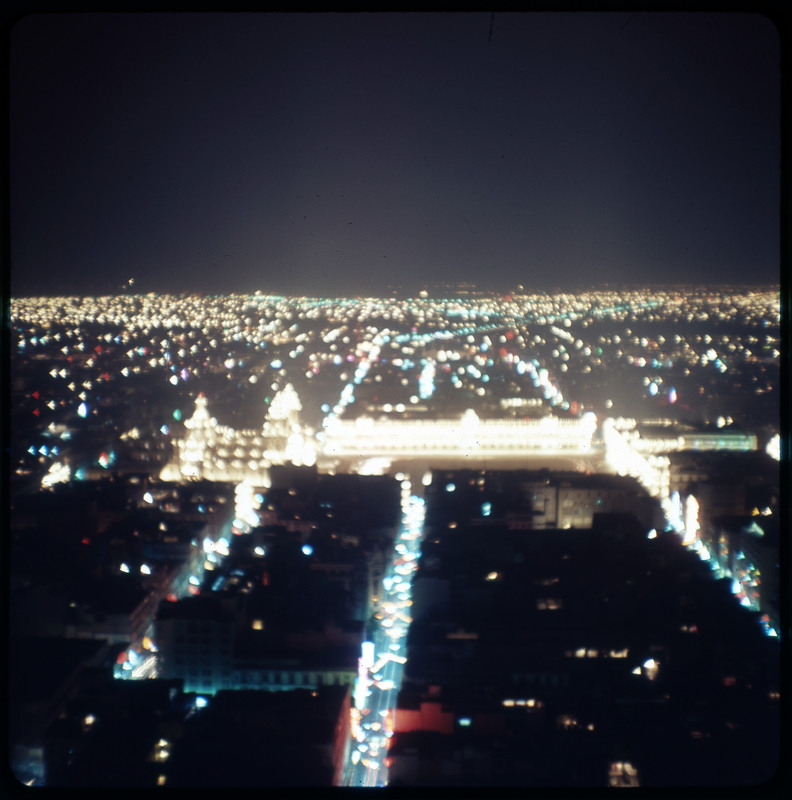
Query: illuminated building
[
  {"x": 217, "y": 452},
  {"x": 211, "y": 451},
  {"x": 468, "y": 437},
  {"x": 365, "y": 444}
]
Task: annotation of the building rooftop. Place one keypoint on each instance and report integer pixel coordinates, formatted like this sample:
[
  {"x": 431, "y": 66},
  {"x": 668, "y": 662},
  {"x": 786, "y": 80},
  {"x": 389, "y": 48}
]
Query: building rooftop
[
  {"x": 38, "y": 666},
  {"x": 260, "y": 739},
  {"x": 203, "y": 607}
]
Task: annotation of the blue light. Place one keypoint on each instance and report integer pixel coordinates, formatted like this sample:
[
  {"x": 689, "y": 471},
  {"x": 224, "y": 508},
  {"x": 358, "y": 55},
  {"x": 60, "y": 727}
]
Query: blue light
[
  {"x": 307, "y": 549},
  {"x": 486, "y": 509}
]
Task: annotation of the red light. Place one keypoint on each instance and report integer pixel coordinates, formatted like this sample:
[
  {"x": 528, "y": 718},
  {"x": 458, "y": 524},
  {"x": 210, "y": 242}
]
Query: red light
[
  {"x": 171, "y": 598},
  {"x": 98, "y": 348},
  {"x": 122, "y": 657},
  {"x": 193, "y": 590},
  {"x": 85, "y": 540},
  {"x": 36, "y": 395},
  {"x": 36, "y": 412}
]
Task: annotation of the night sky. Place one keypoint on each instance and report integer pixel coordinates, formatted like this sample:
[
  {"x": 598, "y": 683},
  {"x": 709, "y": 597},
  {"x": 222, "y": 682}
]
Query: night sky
[{"x": 338, "y": 154}]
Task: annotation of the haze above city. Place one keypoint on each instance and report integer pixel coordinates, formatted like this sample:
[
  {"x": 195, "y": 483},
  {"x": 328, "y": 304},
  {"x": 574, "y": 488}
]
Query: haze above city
[{"x": 346, "y": 154}]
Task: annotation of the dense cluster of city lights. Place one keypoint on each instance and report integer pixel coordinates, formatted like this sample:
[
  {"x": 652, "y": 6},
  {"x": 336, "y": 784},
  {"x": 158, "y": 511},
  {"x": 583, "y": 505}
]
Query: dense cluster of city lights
[
  {"x": 671, "y": 347},
  {"x": 652, "y": 472},
  {"x": 367, "y": 361},
  {"x": 186, "y": 336}
]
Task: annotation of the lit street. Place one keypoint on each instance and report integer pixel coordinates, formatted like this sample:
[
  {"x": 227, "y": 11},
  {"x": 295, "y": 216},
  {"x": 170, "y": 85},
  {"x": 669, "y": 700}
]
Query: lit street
[{"x": 383, "y": 658}]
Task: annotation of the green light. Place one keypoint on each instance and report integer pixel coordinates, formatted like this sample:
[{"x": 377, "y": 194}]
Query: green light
[{"x": 177, "y": 415}]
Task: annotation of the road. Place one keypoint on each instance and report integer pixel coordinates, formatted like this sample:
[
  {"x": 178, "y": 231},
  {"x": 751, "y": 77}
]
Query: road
[{"x": 384, "y": 655}]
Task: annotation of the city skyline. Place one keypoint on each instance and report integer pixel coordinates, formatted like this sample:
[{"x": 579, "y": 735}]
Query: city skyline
[
  {"x": 402, "y": 542},
  {"x": 344, "y": 154}
]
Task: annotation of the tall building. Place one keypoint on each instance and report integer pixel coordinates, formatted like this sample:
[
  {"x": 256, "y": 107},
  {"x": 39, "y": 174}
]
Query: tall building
[{"x": 196, "y": 639}]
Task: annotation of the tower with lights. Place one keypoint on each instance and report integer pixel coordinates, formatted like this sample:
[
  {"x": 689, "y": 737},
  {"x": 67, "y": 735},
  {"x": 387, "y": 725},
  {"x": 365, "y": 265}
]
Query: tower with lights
[
  {"x": 288, "y": 441},
  {"x": 200, "y": 438}
]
